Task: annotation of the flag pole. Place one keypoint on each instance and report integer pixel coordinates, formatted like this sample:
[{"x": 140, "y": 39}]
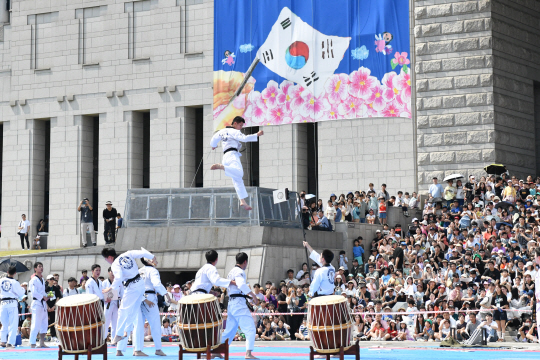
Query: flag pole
[{"x": 245, "y": 80}]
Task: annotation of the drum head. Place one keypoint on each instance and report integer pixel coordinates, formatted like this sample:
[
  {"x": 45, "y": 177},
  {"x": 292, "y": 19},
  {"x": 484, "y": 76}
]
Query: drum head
[
  {"x": 327, "y": 300},
  {"x": 77, "y": 300},
  {"x": 197, "y": 299}
]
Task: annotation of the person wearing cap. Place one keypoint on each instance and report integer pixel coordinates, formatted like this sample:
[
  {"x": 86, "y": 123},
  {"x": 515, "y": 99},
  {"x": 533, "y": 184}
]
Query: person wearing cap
[
  {"x": 126, "y": 272},
  {"x": 149, "y": 308},
  {"x": 323, "y": 279},
  {"x": 87, "y": 221},
  {"x": 238, "y": 313},
  {"x": 10, "y": 292},
  {"x": 109, "y": 217}
]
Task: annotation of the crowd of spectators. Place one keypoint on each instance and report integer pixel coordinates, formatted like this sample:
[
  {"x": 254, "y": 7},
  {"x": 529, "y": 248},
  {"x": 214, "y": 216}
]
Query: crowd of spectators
[{"x": 468, "y": 263}]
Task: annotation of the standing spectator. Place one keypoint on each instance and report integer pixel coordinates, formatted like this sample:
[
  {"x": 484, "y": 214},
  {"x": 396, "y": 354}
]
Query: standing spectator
[
  {"x": 71, "y": 289},
  {"x": 339, "y": 212},
  {"x": 109, "y": 215},
  {"x": 119, "y": 222},
  {"x": 40, "y": 227},
  {"x": 84, "y": 276},
  {"x": 436, "y": 190},
  {"x": 382, "y": 210},
  {"x": 399, "y": 254},
  {"x": 282, "y": 300},
  {"x": 383, "y": 193},
  {"x": 450, "y": 193},
  {"x": 87, "y": 221},
  {"x": 53, "y": 289},
  {"x": 22, "y": 230},
  {"x": 470, "y": 188}
]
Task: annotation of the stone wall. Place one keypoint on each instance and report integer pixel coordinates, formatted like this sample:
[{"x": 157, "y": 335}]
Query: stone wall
[{"x": 454, "y": 84}]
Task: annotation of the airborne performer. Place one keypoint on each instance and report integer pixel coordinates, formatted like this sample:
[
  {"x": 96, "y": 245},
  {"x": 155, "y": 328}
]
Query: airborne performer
[{"x": 231, "y": 138}]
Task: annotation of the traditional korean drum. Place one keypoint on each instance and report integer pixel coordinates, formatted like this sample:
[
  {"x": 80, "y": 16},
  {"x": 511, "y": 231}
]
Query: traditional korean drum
[
  {"x": 79, "y": 323},
  {"x": 199, "y": 322},
  {"x": 329, "y": 323}
]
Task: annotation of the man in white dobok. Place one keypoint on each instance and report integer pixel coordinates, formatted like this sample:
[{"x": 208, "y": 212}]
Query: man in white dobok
[
  {"x": 238, "y": 313},
  {"x": 208, "y": 276},
  {"x": 11, "y": 291},
  {"x": 231, "y": 137}
]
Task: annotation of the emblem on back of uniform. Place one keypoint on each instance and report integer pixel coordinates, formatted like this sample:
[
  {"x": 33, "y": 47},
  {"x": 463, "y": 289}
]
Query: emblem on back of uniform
[
  {"x": 331, "y": 275},
  {"x": 6, "y": 285},
  {"x": 126, "y": 263}
]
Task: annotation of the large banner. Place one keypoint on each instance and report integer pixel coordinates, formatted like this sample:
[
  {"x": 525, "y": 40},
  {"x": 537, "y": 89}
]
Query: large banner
[{"x": 319, "y": 60}]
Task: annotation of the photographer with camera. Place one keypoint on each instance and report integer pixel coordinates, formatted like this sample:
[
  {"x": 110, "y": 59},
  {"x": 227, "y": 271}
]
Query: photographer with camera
[{"x": 87, "y": 221}]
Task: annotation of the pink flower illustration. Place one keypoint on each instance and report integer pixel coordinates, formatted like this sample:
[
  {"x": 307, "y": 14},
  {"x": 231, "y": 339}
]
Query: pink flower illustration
[
  {"x": 270, "y": 94},
  {"x": 370, "y": 111},
  {"x": 403, "y": 84},
  {"x": 332, "y": 110},
  {"x": 286, "y": 95},
  {"x": 256, "y": 110},
  {"x": 379, "y": 45},
  {"x": 376, "y": 98},
  {"x": 389, "y": 91},
  {"x": 313, "y": 107},
  {"x": 218, "y": 110},
  {"x": 401, "y": 58},
  {"x": 277, "y": 115},
  {"x": 295, "y": 92},
  {"x": 391, "y": 110},
  {"x": 361, "y": 83},
  {"x": 350, "y": 107},
  {"x": 336, "y": 88},
  {"x": 298, "y": 119}
]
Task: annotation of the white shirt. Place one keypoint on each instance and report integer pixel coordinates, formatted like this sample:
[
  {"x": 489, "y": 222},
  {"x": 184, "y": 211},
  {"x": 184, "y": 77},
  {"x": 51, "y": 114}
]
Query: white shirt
[
  {"x": 152, "y": 282},
  {"x": 208, "y": 276},
  {"x": 166, "y": 331},
  {"x": 10, "y": 288},
  {"x": 230, "y": 138},
  {"x": 537, "y": 285},
  {"x": 107, "y": 284},
  {"x": 124, "y": 266},
  {"x": 323, "y": 279},
  {"x": 36, "y": 287},
  {"x": 94, "y": 287},
  {"x": 239, "y": 276},
  {"x": 70, "y": 292},
  {"x": 24, "y": 224}
]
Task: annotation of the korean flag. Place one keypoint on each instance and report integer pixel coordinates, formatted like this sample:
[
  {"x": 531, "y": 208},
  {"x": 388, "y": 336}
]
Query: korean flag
[{"x": 299, "y": 53}]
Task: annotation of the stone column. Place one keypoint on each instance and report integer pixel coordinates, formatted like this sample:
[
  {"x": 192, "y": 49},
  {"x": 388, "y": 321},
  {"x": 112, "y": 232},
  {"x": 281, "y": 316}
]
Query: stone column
[
  {"x": 22, "y": 178},
  {"x": 284, "y": 155},
  {"x": 454, "y": 84}
]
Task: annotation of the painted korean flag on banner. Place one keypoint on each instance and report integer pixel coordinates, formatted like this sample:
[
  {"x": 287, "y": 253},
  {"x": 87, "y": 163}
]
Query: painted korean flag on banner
[{"x": 296, "y": 51}]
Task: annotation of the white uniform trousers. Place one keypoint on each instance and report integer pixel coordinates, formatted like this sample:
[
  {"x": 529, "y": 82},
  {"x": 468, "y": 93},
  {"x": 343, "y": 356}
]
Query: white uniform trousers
[
  {"x": 238, "y": 314},
  {"x": 9, "y": 317},
  {"x": 40, "y": 321},
  {"x": 151, "y": 314},
  {"x": 234, "y": 170},
  {"x": 537, "y": 321},
  {"x": 137, "y": 345},
  {"x": 129, "y": 306},
  {"x": 111, "y": 318}
]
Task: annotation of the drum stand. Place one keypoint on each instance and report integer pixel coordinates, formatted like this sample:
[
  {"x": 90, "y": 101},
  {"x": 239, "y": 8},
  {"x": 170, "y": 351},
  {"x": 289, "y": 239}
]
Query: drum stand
[
  {"x": 100, "y": 350},
  {"x": 221, "y": 349},
  {"x": 353, "y": 350}
]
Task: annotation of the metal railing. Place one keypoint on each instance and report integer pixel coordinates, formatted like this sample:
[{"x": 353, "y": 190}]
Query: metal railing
[{"x": 208, "y": 207}]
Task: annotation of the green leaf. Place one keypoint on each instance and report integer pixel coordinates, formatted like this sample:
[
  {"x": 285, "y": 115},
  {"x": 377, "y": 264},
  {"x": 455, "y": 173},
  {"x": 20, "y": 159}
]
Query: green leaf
[
  {"x": 393, "y": 63},
  {"x": 405, "y": 69}
]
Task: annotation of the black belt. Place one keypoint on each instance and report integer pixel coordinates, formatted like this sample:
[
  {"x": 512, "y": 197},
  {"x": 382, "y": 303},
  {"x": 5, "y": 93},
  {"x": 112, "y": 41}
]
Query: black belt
[
  {"x": 230, "y": 149},
  {"x": 38, "y": 300},
  {"x": 8, "y": 299},
  {"x": 132, "y": 280},
  {"x": 239, "y": 295},
  {"x": 201, "y": 290},
  {"x": 150, "y": 292}
]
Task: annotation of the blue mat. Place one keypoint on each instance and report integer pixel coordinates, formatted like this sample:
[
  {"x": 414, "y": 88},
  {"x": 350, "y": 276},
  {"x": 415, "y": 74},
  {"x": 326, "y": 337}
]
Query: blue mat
[{"x": 293, "y": 351}]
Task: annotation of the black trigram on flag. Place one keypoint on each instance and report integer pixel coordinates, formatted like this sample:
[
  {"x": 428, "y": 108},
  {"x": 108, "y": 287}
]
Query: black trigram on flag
[
  {"x": 286, "y": 23},
  {"x": 327, "y": 52},
  {"x": 308, "y": 80},
  {"x": 267, "y": 56}
]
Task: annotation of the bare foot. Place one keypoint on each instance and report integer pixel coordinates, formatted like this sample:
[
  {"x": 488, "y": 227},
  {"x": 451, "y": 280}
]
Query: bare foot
[
  {"x": 160, "y": 353},
  {"x": 119, "y": 353},
  {"x": 117, "y": 339},
  {"x": 246, "y": 206},
  {"x": 33, "y": 346},
  {"x": 3, "y": 344},
  {"x": 249, "y": 355},
  {"x": 43, "y": 346},
  {"x": 10, "y": 346},
  {"x": 139, "y": 353},
  {"x": 217, "y": 167}
]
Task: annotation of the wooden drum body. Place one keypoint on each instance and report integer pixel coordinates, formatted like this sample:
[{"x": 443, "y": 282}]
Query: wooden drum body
[
  {"x": 79, "y": 322},
  {"x": 199, "y": 322},
  {"x": 329, "y": 323}
]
